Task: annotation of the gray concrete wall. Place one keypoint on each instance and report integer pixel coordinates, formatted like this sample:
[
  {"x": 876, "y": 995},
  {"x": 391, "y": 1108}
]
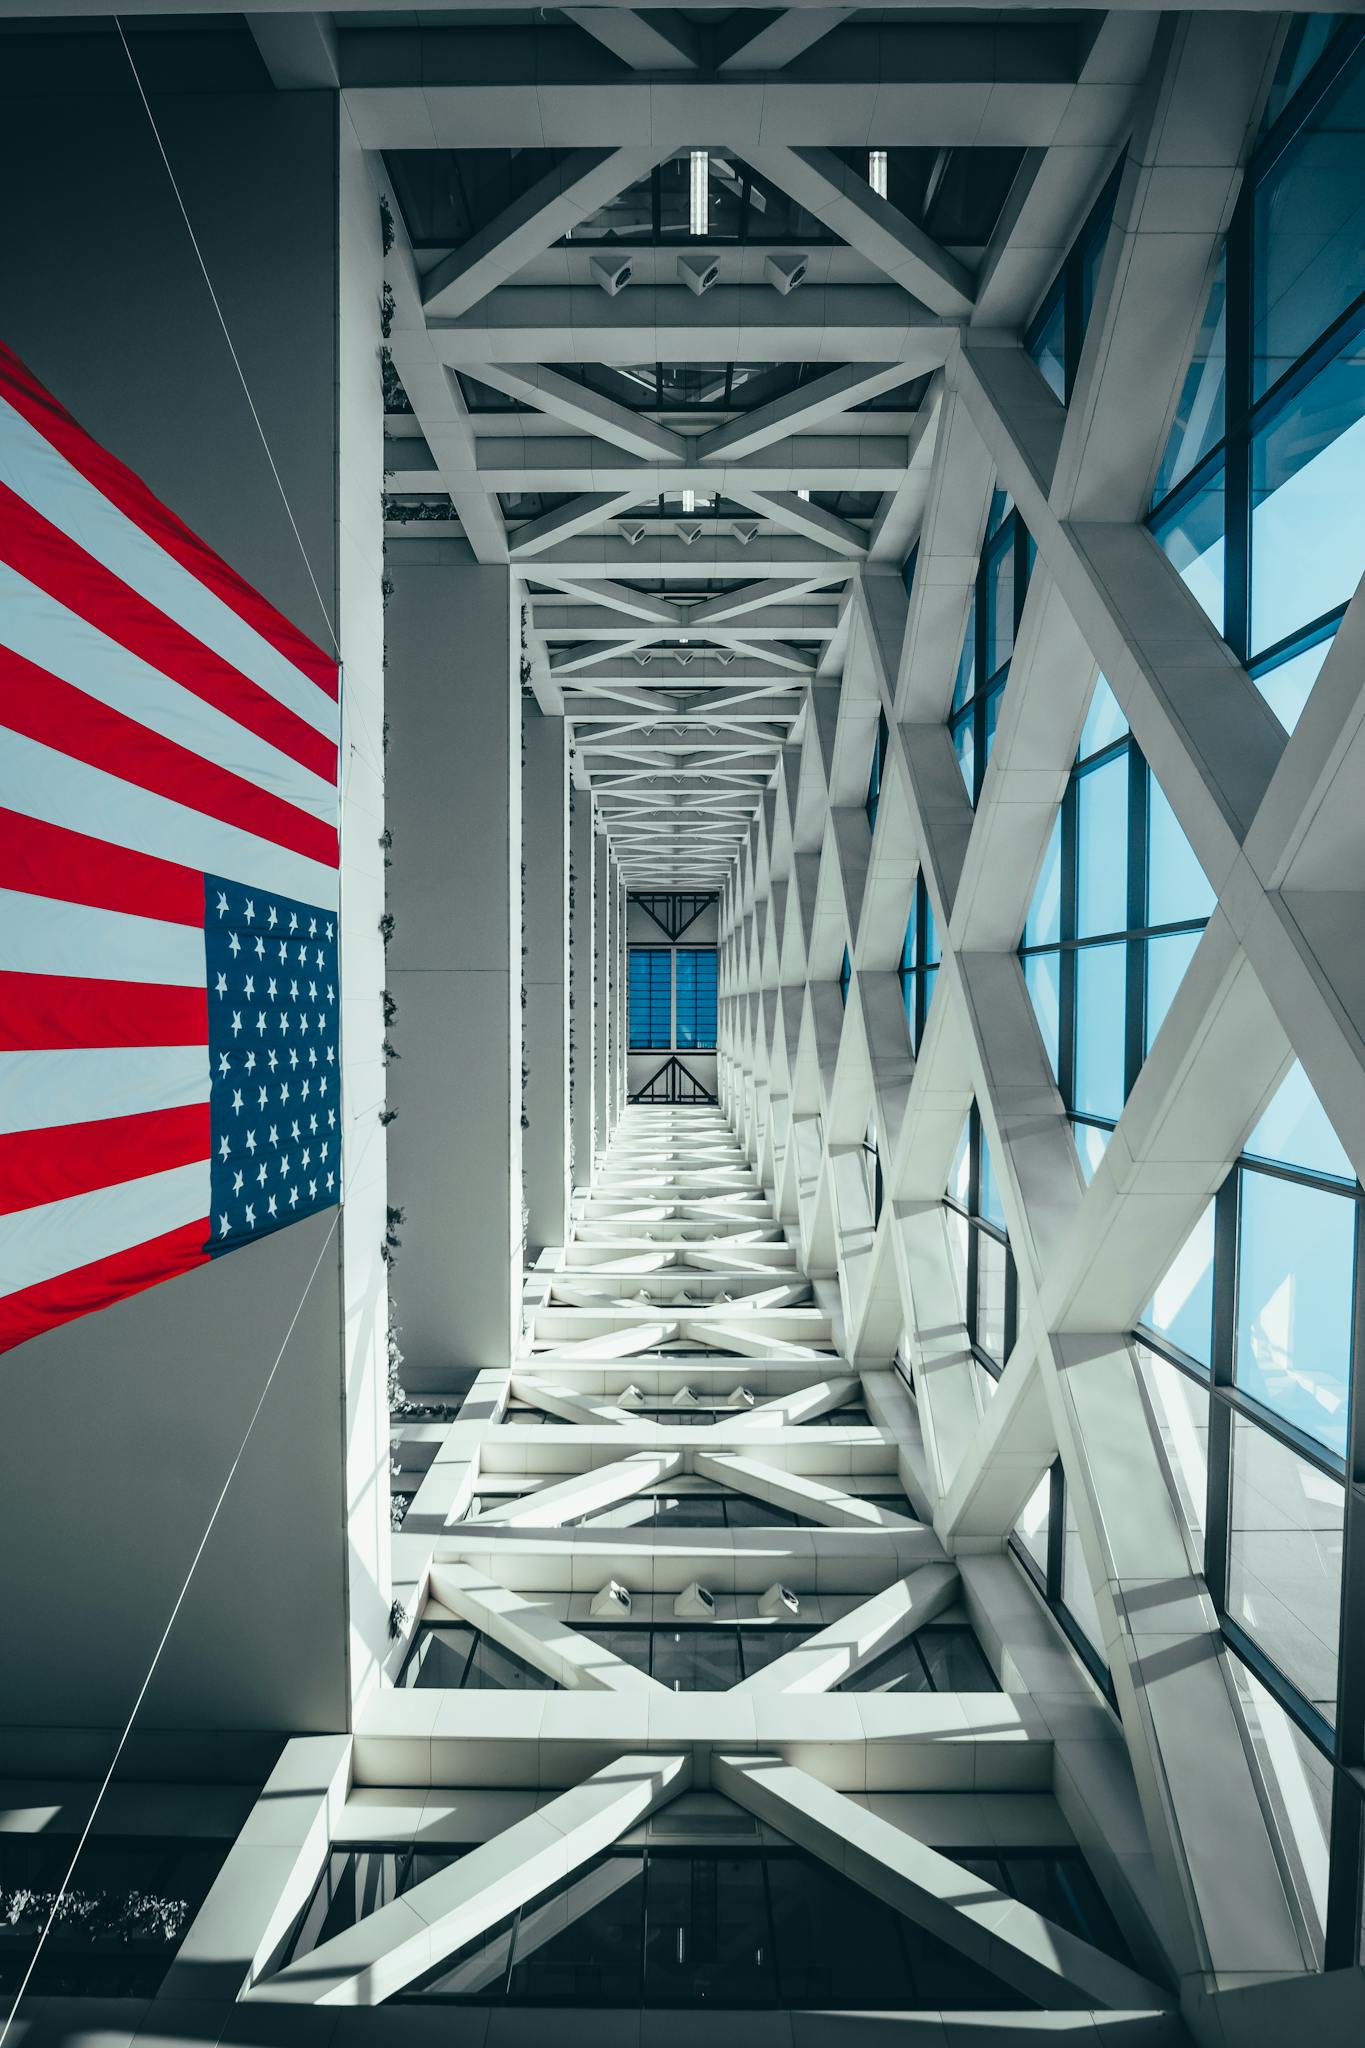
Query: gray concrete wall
[{"x": 119, "y": 1428}]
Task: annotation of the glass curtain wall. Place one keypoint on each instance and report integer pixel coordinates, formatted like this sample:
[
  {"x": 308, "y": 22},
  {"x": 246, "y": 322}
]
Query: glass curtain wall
[
  {"x": 997, "y": 606},
  {"x": 1115, "y": 918},
  {"x": 919, "y": 962},
  {"x": 1247, "y": 1350},
  {"x": 987, "y": 1283},
  {"x": 1258, "y": 501}
]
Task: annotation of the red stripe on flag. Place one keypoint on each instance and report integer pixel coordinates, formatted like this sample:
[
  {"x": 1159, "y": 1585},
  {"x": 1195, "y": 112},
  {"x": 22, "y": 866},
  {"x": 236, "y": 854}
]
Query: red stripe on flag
[
  {"x": 118, "y": 484},
  {"x": 72, "y": 1159},
  {"x": 34, "y": 1309},
  {"x": 47, "y": 1012},
  {"x": 58, "y": 715},
  {"x": 47, "y": 860},
  {"x": 41, "y": 552}
]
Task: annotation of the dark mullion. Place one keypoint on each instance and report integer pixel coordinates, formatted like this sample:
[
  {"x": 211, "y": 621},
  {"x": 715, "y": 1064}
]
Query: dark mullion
[
  {"x": 1011, "y": 1302},
  {"x": 1237, "y": 463},
  {"x": 1056, "y": 1529},
  {"x": 1135, "y": 979},
  {"x": 1066, "y": 959},
  {"x": 1218, "y": 1504}
]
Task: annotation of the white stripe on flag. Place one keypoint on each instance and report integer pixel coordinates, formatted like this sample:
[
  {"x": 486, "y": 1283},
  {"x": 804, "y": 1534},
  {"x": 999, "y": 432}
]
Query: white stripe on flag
[
  {"x": 43, "y": 631},
  {"x": 40, "y": 782},
  {"x": 39, "y": 1091},
  {"x": 44, "y": 935},
  {"x": 36, "y": 472},
  {"x": 39, "y": 1244}
]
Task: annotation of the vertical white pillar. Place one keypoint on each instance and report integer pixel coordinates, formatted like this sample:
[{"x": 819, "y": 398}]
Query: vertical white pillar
[
  {"x": 601, "y": 991},
  {"x": 545, "y": 977},
  {"x": 581, "y": 846},
  {"x": 454, "y": 966}
]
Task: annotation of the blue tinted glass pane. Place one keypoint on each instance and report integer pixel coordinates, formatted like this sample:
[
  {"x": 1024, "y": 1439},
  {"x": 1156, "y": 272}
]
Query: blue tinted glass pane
[
  {"x": 845, "y": 976},
  {"x": 930, "y": 977},
  {"x": 1294, "y": 1298},
  {"x": 1286, "y": 687},
  {"x": 908, "y": 959},
  {"x": 1048, "y": 349},
  {"x": 1201, "y": 412},
  {"x": 990, "y": 721},
  {"x": 1193, "y": 540},
  {"x": 989, "y": 1204},
  {"x": 1041, "y": 975},
  {"x": 965, "y": 680},
  {"x": 958, "y": 1182},
  {"x": 964, "y": 745},
  {"x": 1091, "y": 1145},
  {"x": 908, "y": 569},
  {"x": 1102, "y": 849},
  {"x": 1100, "y": 983},
  {"x": 1000, "y": 608},
  {"x": 1043, "y": 927},
  {"x": 1284, "y": 1559},
  {"x": 1002, "y": 504},
  {"x": 1295, "y": 1130},
  {"x": 1182, "y": 1307},
  {"x": 1308, "y": 37},
  {"x": 1309, "y": 215},
  {"x": 1104, "y": 722},
  {"x": 1307, "y": 507},
  {"x": 1177, "y": 887},
  {"x": 650, "y": 997},
  {"x": 1167, "y": 960},
  {"x": 696, "y": 997},
  {"x": 930, "y": 931}
]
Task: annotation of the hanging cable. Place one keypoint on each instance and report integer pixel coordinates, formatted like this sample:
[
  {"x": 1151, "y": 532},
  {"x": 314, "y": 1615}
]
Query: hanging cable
[{"x": 236, "y": 363}]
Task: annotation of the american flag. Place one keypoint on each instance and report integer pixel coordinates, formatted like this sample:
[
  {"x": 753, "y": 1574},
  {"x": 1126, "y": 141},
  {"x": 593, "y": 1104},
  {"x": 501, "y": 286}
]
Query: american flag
[{"x": 169, "y": 994}]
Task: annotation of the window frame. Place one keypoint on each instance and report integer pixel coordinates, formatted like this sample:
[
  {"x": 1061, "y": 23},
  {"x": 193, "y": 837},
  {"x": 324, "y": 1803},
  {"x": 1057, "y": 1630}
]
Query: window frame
[
  {"x": 1006, "y": 535},
  {"x": 1245, "y": 416}
]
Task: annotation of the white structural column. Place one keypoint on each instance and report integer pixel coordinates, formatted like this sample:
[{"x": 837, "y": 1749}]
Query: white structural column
[
  {"x": 581, "y": 953},
  {"x": 454, "y": 967},
  {"x": 545, "y": 976},
  {"x": 601, "y": 996}
]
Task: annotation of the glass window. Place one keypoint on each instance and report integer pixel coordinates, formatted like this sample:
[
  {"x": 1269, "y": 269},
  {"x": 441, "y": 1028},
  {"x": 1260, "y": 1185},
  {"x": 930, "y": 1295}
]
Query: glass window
[
  {"x": 992, "y": 623},
  {"x": 1031, "y": 1528},
  {"x": 1193, "y": 535},
  {"x": 1047, "y": 346},
  {"x": 1295, "y": 1302},
  {"x": 1102, "y": 849},
  {"x": 979, "y": 1244},
  {"x": 1307, "y": 508},
  {"x": 936, "y": 1658},
  {"x": 1180, "y": 1405},
  {"x": 1104, "y": 722},
  {"x": 1295, "y": 1130},
  {"x": 1201, "y": 414},
  {"x": 695, "y": 968},
  {"x": 1177, "y": 887},
  {"x": 1114, "y": 922},
  {"x": 1308, "y": 221},
  {"x": 1077, "y": 1597},
  {"x": 1182, "y": 1307},
  {"x": 919, "y": 962},
  {"x": 128, "y": 1907},
  {"x": 874, "y": 780},
  {"x": 1057, "y": 331},
  {"x": 651, "y": 998},
  {"x": 845, "y": 977},
  {"x": 1284, "y": 1560},
  {"x": 1101, "y": 987}
]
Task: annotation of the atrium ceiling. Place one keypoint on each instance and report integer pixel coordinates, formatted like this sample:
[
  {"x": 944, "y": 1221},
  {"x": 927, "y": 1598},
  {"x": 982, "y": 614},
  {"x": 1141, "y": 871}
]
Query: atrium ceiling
[{"x": 672, "y": 301}]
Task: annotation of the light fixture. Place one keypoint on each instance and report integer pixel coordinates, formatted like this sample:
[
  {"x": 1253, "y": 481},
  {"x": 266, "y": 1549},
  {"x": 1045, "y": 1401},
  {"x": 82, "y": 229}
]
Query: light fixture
[
  {"x": 876, "y": 171},
  {"x": 689, "y": 501},
  {"x": 612, "y": 276},
  {"x": 698, "y": 277},
  {"x": 804, "y": 496},
  {"x": 784, "y": 273},
  {"x": 699, "y": 194}
]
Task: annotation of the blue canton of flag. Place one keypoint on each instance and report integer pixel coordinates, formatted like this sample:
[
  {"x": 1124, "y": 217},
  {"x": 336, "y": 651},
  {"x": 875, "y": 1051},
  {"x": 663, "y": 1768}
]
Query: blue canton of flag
[{"x": 274, "y": 1061}]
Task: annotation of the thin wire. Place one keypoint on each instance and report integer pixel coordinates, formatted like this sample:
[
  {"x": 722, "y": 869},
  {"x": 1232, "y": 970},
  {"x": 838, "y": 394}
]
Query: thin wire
[
  {"x": 165, "y": 1637},
  {"x": 194, "y": 240}
]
